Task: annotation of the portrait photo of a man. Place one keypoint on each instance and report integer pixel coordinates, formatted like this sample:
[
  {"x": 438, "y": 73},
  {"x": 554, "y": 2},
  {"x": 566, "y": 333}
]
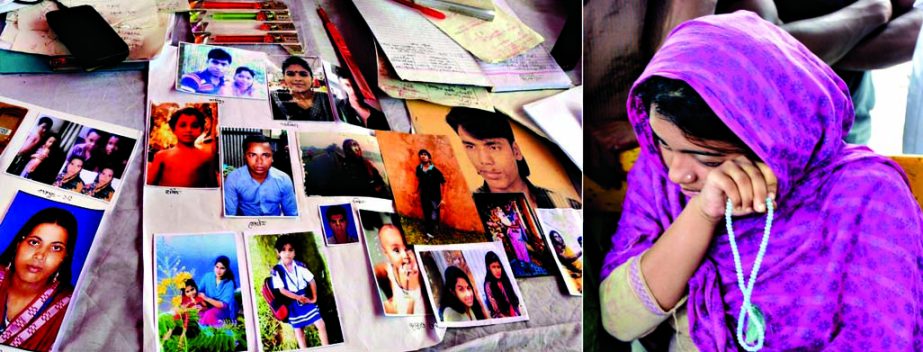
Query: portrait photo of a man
[
  {"x": 257, "y": 170},
  {"x": 491, "y": 147},
  {"x": 339, "y": 223}
]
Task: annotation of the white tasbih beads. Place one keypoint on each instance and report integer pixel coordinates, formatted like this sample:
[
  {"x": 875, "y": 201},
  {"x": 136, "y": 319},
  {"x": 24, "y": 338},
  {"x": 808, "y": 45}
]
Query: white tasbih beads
[{"x": 747, "y": 311}]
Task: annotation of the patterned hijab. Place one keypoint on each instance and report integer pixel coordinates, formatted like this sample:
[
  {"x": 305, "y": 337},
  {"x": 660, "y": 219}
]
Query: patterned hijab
[{"x": 843, "y": 266}]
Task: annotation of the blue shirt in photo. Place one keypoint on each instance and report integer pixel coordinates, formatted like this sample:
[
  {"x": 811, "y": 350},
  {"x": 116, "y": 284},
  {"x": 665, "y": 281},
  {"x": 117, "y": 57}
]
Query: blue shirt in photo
[{"x": 243, "y": 196}]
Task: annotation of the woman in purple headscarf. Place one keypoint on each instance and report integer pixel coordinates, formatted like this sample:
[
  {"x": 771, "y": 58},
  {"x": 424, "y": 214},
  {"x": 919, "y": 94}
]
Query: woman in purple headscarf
[{"x": 732, "y": 107}]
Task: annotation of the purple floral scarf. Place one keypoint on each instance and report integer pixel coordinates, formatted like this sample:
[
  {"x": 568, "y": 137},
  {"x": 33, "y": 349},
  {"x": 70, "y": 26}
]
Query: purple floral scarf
[{"x": 843, "y": 266}]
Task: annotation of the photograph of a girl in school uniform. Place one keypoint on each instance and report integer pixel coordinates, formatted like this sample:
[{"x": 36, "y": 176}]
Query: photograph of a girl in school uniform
[{"x": 295, "y": 269}]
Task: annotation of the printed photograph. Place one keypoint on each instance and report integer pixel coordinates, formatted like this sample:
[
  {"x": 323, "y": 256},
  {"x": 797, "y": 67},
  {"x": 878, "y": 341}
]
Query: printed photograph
[
  {"x": 343, "y": 164},
  {"x": 257, "y": 170},
  {"x": 221, "y": 71},
  {"x": 45, "y": 245},
  {"x": 73, "y": 157},
  {"x": 339, "y": 223},
  {"x": 295, "y": 304},
  {"x": 199, "y": 302},
  {"x": 298, "y": 89},
  {"x": 471, "y": 284},
  {"x": 563, "y": 230},
  {"x": 11, "y": 117},
  {"x": 183, "y": 145},
  {"x": 394, "y": 265},
  {"x": 499, "y": 154},
  {"x": 509, "y": 220},
  {"x": 429, "y": 190},
  {"x": 348, "y": 102}
]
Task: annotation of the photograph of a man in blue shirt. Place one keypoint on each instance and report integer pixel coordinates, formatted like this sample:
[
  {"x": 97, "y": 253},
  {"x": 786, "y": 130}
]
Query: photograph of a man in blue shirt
[{"x": 258, "y": 188}]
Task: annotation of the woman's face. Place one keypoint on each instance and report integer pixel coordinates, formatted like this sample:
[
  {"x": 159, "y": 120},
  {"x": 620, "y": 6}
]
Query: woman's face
[
  {"x": 297, "y": 78},
  {"x": 41, "y": 253},
  {"x": 112, "y": 145},
  {"x": 496, "y": 270},
  {"x": 688, "y": 163},
  {"x": 190, "y": 292},
  {"x": 243, "y": 80},
  {"x": 220, "y": 269},
  {"x": 105, "y": 176},
  {"x": 464, "y": 293},
  {"x": 74, "y": 166}
]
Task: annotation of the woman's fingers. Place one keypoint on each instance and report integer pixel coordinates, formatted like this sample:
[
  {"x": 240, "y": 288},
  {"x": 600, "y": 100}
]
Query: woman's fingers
[
  {"x": 728, "y": 186},
  {"x": 742, "y": 185},
  {"x": 772, "y": 183},
  {"x": 757, "y": 182}
]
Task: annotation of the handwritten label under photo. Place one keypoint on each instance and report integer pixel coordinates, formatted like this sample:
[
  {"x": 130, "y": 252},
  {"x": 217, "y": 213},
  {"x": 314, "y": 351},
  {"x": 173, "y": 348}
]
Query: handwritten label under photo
[
  {"x": 473, "y": 284},
  {"x": 73, "y": 157}
]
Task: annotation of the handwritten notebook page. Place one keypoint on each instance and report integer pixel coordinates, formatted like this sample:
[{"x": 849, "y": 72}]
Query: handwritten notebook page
[
  {"x": 491, "y": 41},
  {"x": 418, "y": 50},
  {"x": 138, "y": 22},
  {"x": 442, "y": 94}
]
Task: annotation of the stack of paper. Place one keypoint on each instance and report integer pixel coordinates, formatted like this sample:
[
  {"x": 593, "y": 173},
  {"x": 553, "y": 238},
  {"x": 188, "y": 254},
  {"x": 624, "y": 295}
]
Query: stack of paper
[{"x": 503, "y": 54}]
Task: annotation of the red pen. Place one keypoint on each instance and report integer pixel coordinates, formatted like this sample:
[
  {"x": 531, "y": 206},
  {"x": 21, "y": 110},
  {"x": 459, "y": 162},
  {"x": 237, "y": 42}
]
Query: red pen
[
  {"x": 367, "y": 96},
  {"x": 423, "y": 9}
]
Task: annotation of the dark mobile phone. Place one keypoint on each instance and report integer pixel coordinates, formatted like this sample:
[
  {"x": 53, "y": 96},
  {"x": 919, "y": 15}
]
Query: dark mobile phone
[{"x": 88, "y": 37}]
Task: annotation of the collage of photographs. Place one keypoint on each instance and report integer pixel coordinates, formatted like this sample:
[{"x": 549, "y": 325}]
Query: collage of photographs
[
  {"x": 449, "y": 251},
  {"x": 63, "y": 176}
]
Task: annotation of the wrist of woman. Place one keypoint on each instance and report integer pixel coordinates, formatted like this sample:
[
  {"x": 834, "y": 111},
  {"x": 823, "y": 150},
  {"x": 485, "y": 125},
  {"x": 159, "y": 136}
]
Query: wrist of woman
[{"x": 697, "y": 208}]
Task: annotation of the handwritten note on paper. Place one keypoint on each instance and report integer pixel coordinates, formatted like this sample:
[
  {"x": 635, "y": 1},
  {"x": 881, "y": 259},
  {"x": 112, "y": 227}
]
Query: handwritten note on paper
[
  {"x": 533, "y": 70},
  {"x": 442, "y": 94},
  {"x": 492, "y": 41},
  {"x": 137, "y": 22},
  {"x": 418, "y": 50}
]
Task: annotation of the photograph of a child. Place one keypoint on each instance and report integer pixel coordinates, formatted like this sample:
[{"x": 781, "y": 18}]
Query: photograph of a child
[
  {"x": 339, "y": 223},
  {"x": 295, "y": 269},
  {"x": 394, "y": 265},
  {"x": 348, "y": 102},
  {"x": 429, "y": 190},
  {"x": 257, "y": 170},
  {"x": 199, "y": 302},
  {"x": 471, "y": 284},
  {"x": 11, "y": 117},
  {"x": 509, "y": 220},
  {"x": 44, "y": 248},
  {"x": 343, "y": 164},
  {"x": 183, "y": 145},
  {"x": 298, "y": 89},
  {"x": 221, "y": 71},
  {"x": 563, "y": 230},
  {"x": 500, "y": 154},
  {"x": 73, "y": 157}
]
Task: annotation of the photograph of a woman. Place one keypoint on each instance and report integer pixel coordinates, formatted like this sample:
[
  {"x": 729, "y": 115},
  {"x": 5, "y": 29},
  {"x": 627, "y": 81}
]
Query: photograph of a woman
[
  {"x": 198, "y": 297},
  {"x": 46, "y": 246},
  {"x": 69, "y": 178},
  {"x": 470, "y": 284},
  {"x": 296, "y": 97},
  {"x": 502, "y": 301},
  {"x": 744, "y": 174}
]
